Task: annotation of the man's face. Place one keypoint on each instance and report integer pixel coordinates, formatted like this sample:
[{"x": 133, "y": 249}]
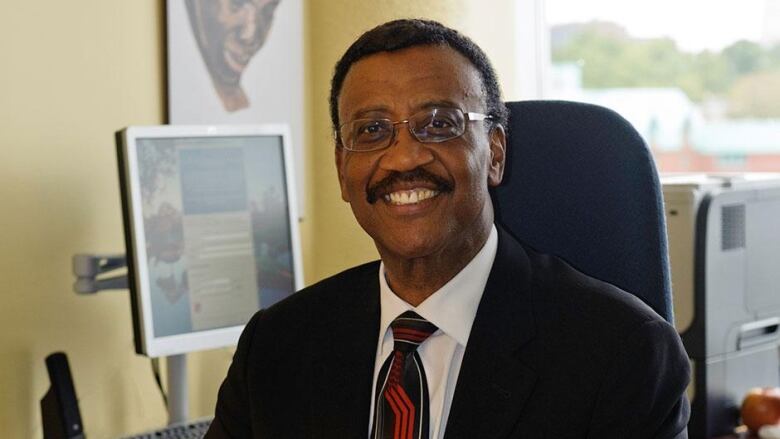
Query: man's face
[
  {"x": 381, "y": 185},
  {"x": 231, "y": 32}
]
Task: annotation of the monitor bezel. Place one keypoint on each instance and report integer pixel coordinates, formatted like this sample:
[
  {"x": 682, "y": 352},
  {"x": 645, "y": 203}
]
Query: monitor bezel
[{"x": 148, "y": 344}]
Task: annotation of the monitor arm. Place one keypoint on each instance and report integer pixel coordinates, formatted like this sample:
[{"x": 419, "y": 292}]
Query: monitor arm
[
  {"x": 93, "y": 273},
  {"x": 98, "y": 272}
]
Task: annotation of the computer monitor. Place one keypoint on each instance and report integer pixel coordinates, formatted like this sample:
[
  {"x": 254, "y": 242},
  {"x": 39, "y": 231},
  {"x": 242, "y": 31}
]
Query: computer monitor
[{"x": 211, "y": 231}]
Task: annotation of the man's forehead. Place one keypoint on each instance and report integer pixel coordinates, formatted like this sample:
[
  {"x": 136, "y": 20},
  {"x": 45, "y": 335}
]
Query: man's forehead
[{"x": 414, "y": 76}]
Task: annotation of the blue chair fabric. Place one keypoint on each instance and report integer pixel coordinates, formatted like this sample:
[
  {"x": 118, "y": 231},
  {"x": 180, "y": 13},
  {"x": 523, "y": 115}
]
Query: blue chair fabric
[{"x": 581, "y": 184}]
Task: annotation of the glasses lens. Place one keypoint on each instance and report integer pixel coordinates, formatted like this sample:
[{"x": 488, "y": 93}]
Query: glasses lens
[
  {"x": 367, "y": 134},
  {"x": 438, "y": 124}
]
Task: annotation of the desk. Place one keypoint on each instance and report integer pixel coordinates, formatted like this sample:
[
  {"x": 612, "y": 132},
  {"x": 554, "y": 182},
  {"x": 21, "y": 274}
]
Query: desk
[
  {"x": 740, "y": 432},
  {"x": 738, "y": 436}
]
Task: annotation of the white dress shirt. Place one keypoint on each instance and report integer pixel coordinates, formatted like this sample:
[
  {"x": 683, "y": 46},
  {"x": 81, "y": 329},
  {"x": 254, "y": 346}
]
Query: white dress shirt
[{"x": 452, "y": 309}]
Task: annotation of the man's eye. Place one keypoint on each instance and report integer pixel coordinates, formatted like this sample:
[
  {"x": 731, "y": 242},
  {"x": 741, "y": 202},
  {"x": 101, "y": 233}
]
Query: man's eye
[
  {"x": 371, "y": 132},
  {"x": 441, "y": 123},
  {"x": 371, "y": 128}
]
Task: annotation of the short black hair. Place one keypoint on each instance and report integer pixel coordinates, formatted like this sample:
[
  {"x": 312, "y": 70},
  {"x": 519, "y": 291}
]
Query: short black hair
[{"x": 401, "y": 34}]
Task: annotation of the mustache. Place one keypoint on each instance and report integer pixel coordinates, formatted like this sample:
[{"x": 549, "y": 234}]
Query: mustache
[{"x": 416, "y": 175}]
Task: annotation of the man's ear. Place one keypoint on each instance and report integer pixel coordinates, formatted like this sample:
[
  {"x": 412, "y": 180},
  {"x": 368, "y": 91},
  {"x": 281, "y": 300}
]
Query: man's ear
[
  {"x": 497, "y": 155},
  {"x": 340, "y": 152}
]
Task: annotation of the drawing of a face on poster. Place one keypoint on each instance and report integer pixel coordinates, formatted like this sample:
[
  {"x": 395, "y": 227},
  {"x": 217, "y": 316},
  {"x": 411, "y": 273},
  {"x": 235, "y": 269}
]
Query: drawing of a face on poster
[{"x": 229, "y": 33}]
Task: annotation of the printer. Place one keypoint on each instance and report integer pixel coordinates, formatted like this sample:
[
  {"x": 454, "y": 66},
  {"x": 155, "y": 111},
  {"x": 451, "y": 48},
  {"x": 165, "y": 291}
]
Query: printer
[{"x": 724, "y": 248}]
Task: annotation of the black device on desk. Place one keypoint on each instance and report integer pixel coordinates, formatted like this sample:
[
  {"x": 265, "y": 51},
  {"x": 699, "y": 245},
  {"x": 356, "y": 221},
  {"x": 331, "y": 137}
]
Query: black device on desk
[
  {"x": 61, "y": 416},
  {"x": 59, "y": 407}
]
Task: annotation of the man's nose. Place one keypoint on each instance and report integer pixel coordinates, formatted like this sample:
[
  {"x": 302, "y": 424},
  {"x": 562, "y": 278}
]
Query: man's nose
[{"x": 405, "y": 153}]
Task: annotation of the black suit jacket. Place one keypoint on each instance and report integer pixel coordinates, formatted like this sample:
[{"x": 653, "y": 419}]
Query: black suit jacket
[{"x": 552, "y": 353}]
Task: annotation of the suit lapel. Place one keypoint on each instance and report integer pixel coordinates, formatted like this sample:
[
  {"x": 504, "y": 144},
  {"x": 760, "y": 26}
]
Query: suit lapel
[
  {"x": 342, "y": 370},
  {"x": 493, "y": 383}
]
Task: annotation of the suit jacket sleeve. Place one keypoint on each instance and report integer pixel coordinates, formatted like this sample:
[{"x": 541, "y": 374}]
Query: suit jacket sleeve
[
  {"x": 643, "y": 393},
  {"x": 232, "y": 417}
]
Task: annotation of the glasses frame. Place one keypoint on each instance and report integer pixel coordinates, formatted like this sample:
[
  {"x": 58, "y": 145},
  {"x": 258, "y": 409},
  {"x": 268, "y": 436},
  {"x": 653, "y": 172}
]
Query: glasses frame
[{"x": 469, "y": 116}]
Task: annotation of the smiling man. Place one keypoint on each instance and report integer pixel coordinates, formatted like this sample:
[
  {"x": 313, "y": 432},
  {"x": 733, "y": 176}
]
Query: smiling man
[{"x": 459, "y": 331}]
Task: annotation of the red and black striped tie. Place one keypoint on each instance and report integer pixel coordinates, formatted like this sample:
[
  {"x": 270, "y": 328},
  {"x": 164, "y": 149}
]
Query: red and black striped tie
[{"x": 401, "y": 406}]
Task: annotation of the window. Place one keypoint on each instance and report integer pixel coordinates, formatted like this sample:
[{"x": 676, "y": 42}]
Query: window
[{"x": 700, "y": 80}]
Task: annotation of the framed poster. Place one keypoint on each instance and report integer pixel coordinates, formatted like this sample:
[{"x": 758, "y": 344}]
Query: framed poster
[{"x": 238, "y": 62}]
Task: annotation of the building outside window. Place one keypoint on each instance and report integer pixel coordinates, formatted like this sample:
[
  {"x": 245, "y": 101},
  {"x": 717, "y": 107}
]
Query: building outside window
[{"x": 700, "y": 80}]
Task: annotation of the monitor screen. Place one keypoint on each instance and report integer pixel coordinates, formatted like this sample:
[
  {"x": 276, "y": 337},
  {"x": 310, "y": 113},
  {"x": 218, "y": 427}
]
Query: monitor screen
[{"x": 212, "y": 234}]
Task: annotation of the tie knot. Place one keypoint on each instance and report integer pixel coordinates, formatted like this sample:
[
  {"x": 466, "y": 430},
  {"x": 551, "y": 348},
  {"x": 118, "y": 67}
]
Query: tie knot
[{"x": 409, "y": 330}]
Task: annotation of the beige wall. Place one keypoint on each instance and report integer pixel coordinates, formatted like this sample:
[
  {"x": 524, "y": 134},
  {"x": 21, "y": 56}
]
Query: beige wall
[{"x": 71, "y": 74}]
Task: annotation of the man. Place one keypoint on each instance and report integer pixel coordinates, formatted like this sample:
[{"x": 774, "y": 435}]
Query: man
[
  {"x": 460, "y": 331},
  {"x": 229, "y": 33}
]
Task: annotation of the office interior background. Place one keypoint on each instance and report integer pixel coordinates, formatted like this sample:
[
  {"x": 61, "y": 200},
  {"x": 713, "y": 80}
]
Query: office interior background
[{"x": 699, "y": 80}]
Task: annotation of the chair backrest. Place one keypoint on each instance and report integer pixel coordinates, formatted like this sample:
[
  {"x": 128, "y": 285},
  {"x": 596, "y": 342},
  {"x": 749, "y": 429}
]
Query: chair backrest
[{"x": 581, "y": 184}]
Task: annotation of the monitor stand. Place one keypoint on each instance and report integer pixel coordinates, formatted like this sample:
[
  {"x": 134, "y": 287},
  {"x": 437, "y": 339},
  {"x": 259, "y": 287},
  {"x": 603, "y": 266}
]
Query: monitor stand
[
  {"x": 178, "y": 397},
  {"x": 87, "y": 268}
]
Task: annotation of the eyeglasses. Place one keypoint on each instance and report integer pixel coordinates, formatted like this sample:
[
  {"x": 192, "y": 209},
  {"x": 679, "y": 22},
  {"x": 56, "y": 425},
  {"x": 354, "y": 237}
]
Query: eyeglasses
[{"x": 434, "y": 125}]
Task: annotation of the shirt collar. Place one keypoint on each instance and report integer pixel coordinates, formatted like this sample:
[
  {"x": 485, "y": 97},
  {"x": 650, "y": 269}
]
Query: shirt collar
[{"x": 453, "y": 307}]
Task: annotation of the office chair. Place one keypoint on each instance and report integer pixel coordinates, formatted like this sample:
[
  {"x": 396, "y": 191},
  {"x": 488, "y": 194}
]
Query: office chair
[{"x": 580, "y": 183}]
